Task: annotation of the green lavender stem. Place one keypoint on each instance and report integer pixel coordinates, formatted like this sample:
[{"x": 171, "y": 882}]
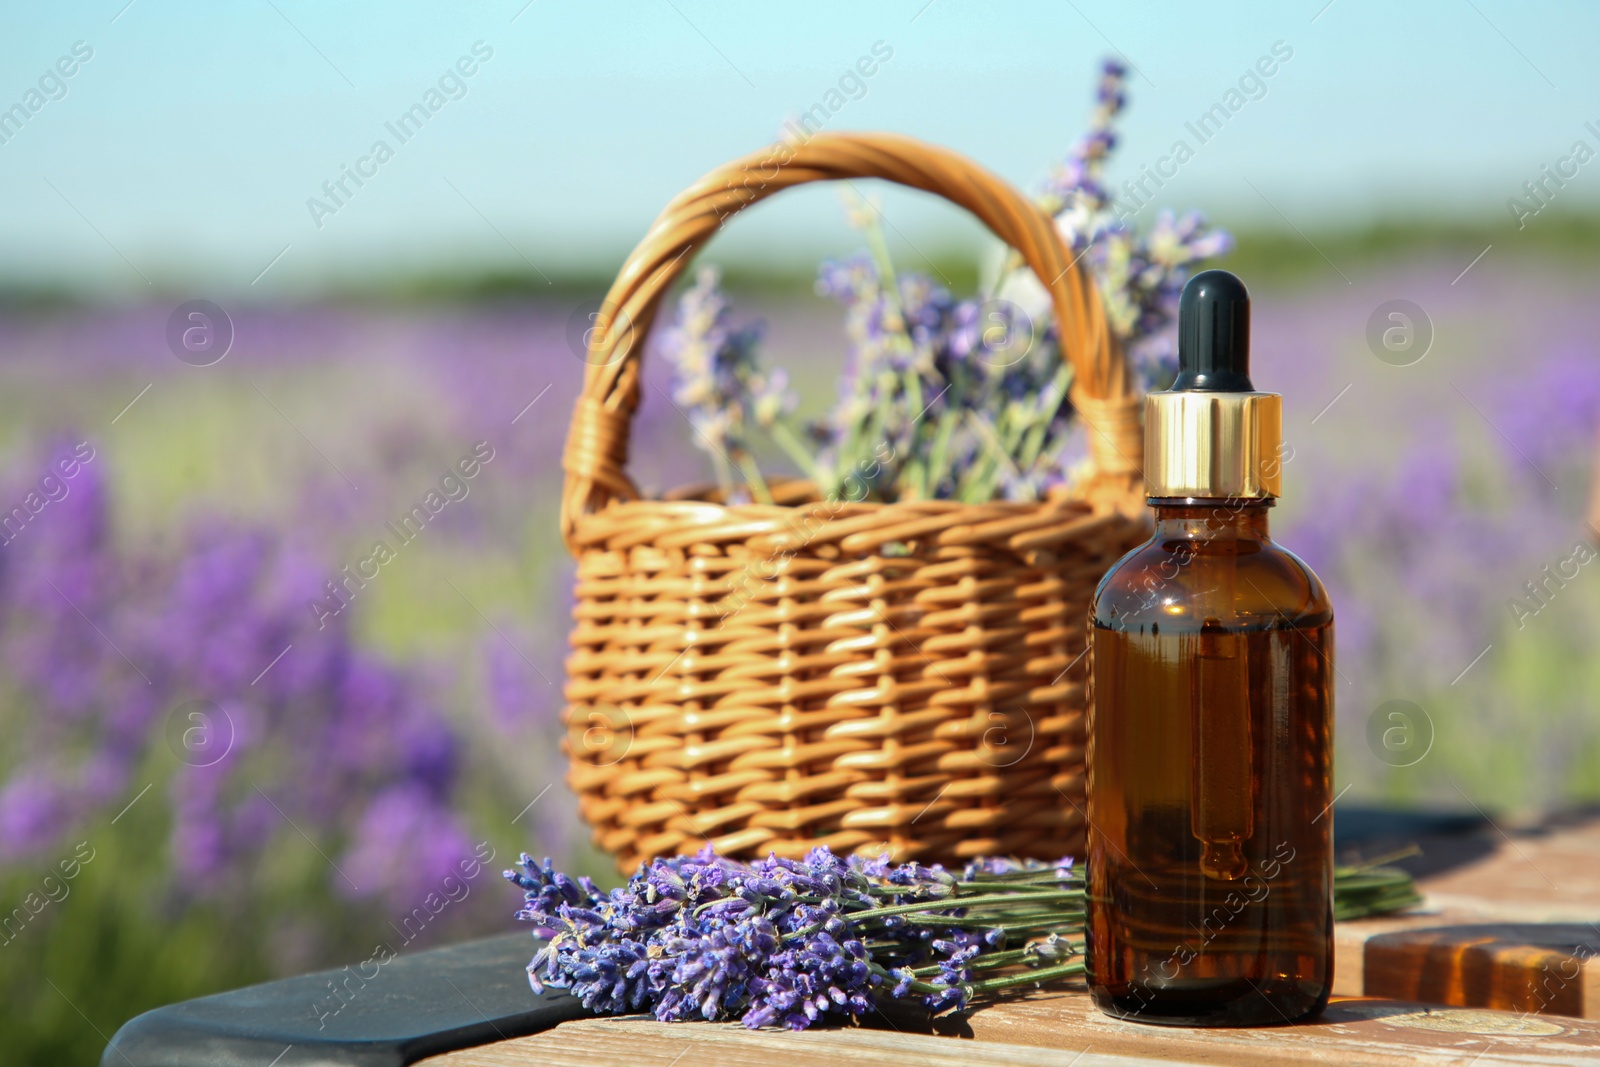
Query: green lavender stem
[
  {"x": 1033, "y": 437},
  {"x": 724, "y": 473},
  {"x": 797, "y": 451},
  {"x": 939, "y": 453},
  {"x": 1033, "y": 977},
  {"x": 1054, "y": 920},
  {"x": 931, "y": 906},
  {"x": 752, "y": 476},
  {"x": 987, "y": 959}
]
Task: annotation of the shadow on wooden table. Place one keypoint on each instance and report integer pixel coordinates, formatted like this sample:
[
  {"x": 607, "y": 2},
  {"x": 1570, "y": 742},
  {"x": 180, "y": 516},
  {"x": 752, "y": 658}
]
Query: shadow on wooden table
[{"x": 1446, "y": 839}]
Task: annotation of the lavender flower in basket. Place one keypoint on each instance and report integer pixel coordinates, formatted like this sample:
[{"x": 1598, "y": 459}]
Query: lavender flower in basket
[{"x": 969, "y": 396}]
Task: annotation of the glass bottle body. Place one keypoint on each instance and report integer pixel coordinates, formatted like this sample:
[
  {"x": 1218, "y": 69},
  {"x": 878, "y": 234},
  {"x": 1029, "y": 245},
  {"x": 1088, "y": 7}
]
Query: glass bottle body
[{"x": 1210, "y": 855}]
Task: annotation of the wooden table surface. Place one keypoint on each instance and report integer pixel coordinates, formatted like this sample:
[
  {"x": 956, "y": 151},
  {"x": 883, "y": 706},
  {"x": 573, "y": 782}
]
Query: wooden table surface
[
  {"x": 1512, "y": 921},
  {"x": 1065, "y": 1030}
]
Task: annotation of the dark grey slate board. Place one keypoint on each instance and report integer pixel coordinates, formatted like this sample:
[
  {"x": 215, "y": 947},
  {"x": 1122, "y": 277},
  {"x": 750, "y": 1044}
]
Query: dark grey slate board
[{"x": 413, "y": 1006}]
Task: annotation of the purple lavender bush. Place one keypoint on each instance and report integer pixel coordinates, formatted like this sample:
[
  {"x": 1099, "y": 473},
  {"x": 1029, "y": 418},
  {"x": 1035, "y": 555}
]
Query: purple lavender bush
[
  {"x": 204, "y": 784},
  {"x": 208, "y": 661},
  {"x": 1461, "y": 565}
]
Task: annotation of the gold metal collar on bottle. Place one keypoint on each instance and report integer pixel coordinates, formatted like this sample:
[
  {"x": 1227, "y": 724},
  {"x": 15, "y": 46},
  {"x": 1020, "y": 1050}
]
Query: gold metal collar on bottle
[{"x": 1213, "y": 445}]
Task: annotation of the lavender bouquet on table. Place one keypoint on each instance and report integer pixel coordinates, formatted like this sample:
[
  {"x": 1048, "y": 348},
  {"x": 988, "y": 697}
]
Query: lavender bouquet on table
[
  {"x": 943, "y": 399},
  {"x": 792, "y": 942}
]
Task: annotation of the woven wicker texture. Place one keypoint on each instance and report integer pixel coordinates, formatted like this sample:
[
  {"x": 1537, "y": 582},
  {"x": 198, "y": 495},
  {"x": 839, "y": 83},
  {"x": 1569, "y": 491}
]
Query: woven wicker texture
[{"x": 905, "y": 677}]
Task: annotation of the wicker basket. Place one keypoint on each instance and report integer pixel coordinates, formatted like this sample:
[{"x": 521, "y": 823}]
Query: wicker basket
[{"x": 906, "y": 677}]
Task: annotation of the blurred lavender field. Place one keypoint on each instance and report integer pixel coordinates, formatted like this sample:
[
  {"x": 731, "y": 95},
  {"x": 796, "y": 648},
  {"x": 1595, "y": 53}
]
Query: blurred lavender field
[{"x": 243, "y": 784}]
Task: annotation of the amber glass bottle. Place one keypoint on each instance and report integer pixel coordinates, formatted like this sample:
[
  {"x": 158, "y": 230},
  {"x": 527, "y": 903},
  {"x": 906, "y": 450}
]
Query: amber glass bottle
[{"x": 1210, "y": 822}]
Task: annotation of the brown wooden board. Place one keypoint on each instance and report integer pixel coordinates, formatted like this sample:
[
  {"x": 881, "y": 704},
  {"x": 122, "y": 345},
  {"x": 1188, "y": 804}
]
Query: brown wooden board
[{"x": 1512, "y": 921}]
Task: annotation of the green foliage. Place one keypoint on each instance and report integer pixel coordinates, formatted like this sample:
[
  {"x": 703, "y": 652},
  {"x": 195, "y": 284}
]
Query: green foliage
[{"x": 112, "y": 947}]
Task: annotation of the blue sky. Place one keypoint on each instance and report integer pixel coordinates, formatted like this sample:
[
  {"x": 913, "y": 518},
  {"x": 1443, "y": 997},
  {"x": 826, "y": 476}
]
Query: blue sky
[{"x": 186, "y": 149}]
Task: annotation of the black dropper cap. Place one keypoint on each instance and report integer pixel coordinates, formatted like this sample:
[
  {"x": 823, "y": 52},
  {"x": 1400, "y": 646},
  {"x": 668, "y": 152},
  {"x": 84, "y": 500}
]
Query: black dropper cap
[{"x": 1214, "y": 335}]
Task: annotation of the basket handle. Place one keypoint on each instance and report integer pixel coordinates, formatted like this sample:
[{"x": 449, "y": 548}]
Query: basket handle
[{"x": 597, "y": 443}]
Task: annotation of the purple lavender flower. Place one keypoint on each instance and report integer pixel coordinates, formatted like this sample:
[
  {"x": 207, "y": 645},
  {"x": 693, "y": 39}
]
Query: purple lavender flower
[
  {"x": 1550, "y": 412},
  {"x": 1139, "y": 277},
  {"x": 717, "y": 381},
  {"x": 35, "y": 812},
  {"x": 403, "y": 845},
  {"x": 776, "y": 941},
  {"x": 1075, "y": 183},
  {"x": 967, "y": 398}
]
